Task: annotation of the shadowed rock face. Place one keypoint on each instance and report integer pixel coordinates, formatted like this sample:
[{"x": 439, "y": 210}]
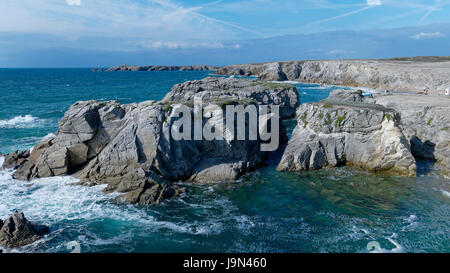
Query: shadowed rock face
[
  {"x": 340, "y": 131},
  {"x": 17, "y": 231},
  {"x": 130, "y": 148},
  {"x": 380, "y": 74},
  {"x": 223, "y": 90}
]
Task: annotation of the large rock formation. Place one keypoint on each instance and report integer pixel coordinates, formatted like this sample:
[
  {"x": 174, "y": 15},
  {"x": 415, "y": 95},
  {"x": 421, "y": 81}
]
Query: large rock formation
[
  {"x": 163, "y": 68},
  {"x": 403, "y": 75},
  {"x": 341, "y": 130},
  {"x": 17, "y": 231},
  {"x": 131, "y": 149},
  {"x": 426, "y": 123},
  {"x": 240, "y": 90}
]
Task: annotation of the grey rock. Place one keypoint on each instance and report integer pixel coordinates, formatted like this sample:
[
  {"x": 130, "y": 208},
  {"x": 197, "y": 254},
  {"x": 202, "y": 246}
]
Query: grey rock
[
  {"x": 15, "y": 159},
  {"x": 225, "y": 90},
  {"x": 163, "y": 68},
  {"x": 130, "y": 147},
  {"x": 347, "y": 95},
  {"x": 17, "y": 231},
  {"x": 338, "y": 132}
]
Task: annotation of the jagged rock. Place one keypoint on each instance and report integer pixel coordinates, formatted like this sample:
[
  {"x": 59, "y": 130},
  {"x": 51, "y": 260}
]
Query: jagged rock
[
  {"x": 406, "y": 75},
  {"x": 426, "y": 123},
  {"x": 17, "y": 231},
  {"x": 15, "y": 159},
  {"x": 131, "y": 149},
  {"x": 224, "y": 90},
  {"x": 337, "y": 132}
]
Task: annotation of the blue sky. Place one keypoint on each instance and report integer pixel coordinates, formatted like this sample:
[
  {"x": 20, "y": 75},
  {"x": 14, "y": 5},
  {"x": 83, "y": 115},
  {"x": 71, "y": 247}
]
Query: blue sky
[{"x": 53, "y": 33}]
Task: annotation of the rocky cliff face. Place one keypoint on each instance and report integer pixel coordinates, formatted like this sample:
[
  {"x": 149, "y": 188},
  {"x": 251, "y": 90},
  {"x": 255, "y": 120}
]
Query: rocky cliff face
[
  {"x": 426, "y": 123},
  {"x": 382, "y": 74},
  {"x": 226, "y": 90},
  {"x": 341, "y": 131},
  {"x": 163, "y": 68},
  {"x": 131, "y": 149}
]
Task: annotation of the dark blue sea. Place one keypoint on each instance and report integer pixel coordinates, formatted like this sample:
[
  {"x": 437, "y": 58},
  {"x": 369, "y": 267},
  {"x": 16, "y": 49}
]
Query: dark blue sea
[{"x": 338, "y": 210}]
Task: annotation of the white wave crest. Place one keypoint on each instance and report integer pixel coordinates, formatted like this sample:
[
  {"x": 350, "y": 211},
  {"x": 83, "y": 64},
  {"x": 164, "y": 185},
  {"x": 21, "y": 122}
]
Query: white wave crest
[
  {"x": 20, "y": 122},
  {"x": 446, "y": 193}
]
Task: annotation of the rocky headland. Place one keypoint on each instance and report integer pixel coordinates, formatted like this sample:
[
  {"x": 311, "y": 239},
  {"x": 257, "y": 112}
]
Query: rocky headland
[
  {"x": 130, "y": 147},
  {"x": 163, "y": 68},
  {"x": 385, "y": 133},
  {"x": 343, "y": 130},
  {"x": 409, "y": 74}
]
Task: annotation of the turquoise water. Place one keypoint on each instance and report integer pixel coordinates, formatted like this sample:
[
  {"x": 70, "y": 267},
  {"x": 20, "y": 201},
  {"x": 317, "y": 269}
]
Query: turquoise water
[{"x": 339, "y": 210}]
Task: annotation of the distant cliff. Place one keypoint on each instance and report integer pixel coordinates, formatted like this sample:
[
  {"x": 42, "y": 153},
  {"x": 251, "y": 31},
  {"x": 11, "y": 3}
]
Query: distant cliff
[
  {"x": 163, "y": 68},
  {"x": 404, "y": 74}
]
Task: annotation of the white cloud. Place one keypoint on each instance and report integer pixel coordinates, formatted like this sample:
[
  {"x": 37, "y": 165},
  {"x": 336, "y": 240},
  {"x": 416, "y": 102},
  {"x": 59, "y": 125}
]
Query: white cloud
[
  {"x": 372, "y": 3},
  {"x": 337, "y": 51},
  {"x": 136, "y": 21},
  {"x": 186, "y": 45},
  {"x": 425, "y": 35},
  {"x": 74, "y": 2}
]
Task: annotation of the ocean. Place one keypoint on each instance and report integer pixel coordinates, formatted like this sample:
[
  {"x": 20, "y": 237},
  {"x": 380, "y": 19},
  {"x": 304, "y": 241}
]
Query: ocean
[{"x": 338, "y": 210}]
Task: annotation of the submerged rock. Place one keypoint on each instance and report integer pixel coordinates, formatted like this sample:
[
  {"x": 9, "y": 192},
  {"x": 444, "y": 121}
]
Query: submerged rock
[
  {"x": 17, "y": 231},
  {"x": 225, "y": 90},
  {"x": 340, "y": 131}
]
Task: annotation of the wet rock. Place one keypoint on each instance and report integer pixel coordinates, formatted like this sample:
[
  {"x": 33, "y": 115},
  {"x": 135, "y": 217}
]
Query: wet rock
[
  {"x": 15, "y": 159},
  {"x": 17, "y": 231}
]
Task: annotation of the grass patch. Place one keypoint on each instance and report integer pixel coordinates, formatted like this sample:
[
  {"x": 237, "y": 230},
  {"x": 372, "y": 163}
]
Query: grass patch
[
  {"x": 340, "y": 119},
  {"x": 430, "y": 121},
  {"x": 304, "y": 119}
]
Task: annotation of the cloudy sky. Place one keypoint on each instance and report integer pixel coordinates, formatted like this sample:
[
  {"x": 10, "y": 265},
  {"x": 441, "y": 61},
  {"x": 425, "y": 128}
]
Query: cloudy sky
[{"x": 85, "y": 33}]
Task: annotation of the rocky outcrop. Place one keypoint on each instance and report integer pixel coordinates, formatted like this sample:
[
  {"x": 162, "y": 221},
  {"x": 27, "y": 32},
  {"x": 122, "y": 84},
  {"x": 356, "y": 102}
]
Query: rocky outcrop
[
  {"x": 17, "y": 231},
  {"x": 131, "y": 148},
  {"x": 341, "y": 131},
  {"x": 15, "y": 159},
  {"x": 426, "y": 123},
  {"x": 226, "y": 90},
  {"x": 163, "y": 68},
  {"x": 405, "y": 75}
]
